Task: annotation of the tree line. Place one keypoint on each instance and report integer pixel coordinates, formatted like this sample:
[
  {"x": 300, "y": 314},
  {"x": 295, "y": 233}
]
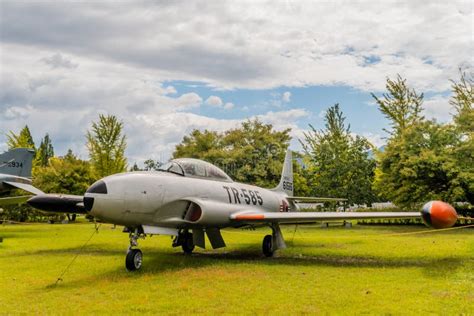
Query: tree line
[{"x": 422, "y": 159}]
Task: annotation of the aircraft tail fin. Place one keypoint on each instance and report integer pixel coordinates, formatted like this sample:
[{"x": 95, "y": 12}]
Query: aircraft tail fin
[
  {"x": 286, "y": 181},
  {"x": 17, "y": 162}
]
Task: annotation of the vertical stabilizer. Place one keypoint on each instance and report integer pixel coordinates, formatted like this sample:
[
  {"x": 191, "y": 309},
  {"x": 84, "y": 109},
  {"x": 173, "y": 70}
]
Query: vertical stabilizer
[
  {"x": 286, "y": 181},
  {"x": 17, "y": 162}
]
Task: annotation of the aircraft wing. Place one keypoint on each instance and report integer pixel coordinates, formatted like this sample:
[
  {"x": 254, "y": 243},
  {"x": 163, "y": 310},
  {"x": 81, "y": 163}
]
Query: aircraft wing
[
  {"x": 11, "y": 200},
  {"x": 309, "y": 217},
  {"x": 24, "y": 186},
  {"x": 304, "y": 199}
]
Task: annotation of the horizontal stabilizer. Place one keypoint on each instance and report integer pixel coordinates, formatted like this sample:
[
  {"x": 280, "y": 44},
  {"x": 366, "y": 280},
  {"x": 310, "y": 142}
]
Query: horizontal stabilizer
[
  {"x": 14, "y": 200},
  {"x": 24, "y": 186}
]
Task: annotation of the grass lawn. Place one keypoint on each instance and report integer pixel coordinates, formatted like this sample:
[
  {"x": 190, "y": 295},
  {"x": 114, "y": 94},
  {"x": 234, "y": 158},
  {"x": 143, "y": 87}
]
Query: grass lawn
[{"x": 334, "y": 270}]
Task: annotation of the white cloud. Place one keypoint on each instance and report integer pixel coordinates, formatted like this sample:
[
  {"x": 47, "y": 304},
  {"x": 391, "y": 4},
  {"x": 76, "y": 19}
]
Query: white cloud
[
  {"x": 214, "y": 101},
  {"x": 59, "y": 61},
  {"x": 375, "y": 139},
  {"x": 228, "y": 105},
  {"x": 438, "y": 107},
  {"x": 261, "y": 45},
  {"x": 18, "y": 112},
  {"x": 187, "y": 101},
  {"x": 117, "y": 58}
]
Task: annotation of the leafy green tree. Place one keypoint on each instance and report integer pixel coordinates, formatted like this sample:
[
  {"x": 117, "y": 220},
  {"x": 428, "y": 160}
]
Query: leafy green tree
[
  {"x": 151, "y": 164},
  {"x": 135, "y": 167},
  {"x": 401, "y": 104},
  {"x": 416, "y": 167},
  {"x": 45, "y": 151},
  {"x": 251, "y": 153},
  {"x": 205, "y": 145},
  {"x": 463, "y": 100},
  {"x": 68, "y": 174},
  {"x": 341, "y": 166},
  {"x": 21, "y": 140},
  {"x": 256, "y": 152},
  {"x": 425, "y": 160},
  {"x": 106, "y": 146}
]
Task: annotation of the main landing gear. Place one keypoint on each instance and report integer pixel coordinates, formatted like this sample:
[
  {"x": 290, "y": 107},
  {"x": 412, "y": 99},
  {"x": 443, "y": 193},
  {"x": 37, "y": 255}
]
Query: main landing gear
[
  {"x": 134, "y": 258},
  {"x": 273, "y": 242},
  {"x": 185, "y": 240}
]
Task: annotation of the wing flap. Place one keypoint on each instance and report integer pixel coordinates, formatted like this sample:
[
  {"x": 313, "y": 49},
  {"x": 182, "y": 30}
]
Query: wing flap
[
  {"x": 314, "y": 199},
  {"x": 302, "y": 217}
]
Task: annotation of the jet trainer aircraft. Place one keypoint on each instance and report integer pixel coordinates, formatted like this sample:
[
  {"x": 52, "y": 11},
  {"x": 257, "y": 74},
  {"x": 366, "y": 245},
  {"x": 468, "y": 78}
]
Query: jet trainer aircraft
[
  {"x": 190, "y": 198},
  {"x": 15, "y": 173}
]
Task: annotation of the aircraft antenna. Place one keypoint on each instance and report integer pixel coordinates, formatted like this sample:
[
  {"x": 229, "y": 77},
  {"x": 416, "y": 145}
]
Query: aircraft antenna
[{"x": 96, "y": 231}]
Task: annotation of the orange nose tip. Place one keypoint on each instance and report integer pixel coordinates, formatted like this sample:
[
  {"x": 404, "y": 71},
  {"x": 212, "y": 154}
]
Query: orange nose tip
[{"x": 438, "y": 214}]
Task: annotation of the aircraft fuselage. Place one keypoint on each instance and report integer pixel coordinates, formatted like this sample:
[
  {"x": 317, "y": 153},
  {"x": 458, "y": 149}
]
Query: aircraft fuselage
[{"x": 164, "y": 199}]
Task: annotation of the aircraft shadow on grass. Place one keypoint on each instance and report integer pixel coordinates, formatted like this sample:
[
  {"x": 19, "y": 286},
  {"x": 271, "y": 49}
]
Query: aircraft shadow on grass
[{"x": 161, "y": 262}]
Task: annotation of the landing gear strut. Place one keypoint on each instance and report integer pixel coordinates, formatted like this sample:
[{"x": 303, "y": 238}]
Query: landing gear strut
[
  {"x": 185, "y": 240},
  {"x": 134, "y": 258}
]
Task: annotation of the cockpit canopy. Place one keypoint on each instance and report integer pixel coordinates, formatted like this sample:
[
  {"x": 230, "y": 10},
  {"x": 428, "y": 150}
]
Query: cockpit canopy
[{"x": 195, "y": 168}]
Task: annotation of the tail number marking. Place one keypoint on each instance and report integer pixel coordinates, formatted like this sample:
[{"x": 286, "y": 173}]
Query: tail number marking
[
  {"x": 249, "y": 196},
  {"x": 287, "y": 185},
  {"x": 13, "y": 164}
]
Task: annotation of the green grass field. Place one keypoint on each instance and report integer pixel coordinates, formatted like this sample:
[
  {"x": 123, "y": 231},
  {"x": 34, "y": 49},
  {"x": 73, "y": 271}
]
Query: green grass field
[{"x": 362, "y": 270}]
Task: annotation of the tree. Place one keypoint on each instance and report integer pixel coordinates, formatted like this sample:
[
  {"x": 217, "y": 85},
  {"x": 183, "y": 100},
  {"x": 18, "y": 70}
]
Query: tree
[
  {"x": 340, "y": 163},
  {"x": 252, "y": 153},
  {"x": 424, "y": 160},
  {"x": 463, "y": 100},
  {"x": 106, "y": 146},
  {"x": 401, "y": 105},
  {"x": 67, "y": 174},
  {"x": 21, "y": 140},
  {"x": 205, "y": 145},
  {"x": 45, "y": 151},
  {"x": 417, "y": 166},
  {"x": 135, "y": 167},
  {"x": 151, "y": 164}
]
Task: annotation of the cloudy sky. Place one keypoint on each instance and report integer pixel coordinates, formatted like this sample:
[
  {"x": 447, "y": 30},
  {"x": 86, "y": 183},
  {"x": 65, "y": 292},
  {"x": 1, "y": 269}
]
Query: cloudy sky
[{"x": 168, "y": 67}]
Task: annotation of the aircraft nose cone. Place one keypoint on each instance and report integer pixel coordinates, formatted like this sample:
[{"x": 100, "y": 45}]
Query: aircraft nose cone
[{"x": 88, "y": 203}]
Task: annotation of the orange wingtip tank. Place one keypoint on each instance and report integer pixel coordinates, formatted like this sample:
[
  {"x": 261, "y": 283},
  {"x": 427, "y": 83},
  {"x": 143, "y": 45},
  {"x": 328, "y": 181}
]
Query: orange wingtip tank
[{"x": 438, "y": 214}]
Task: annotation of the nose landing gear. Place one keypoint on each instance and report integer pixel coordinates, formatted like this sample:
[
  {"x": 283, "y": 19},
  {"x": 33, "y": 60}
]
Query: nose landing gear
[{"x": 134, "y": 258}]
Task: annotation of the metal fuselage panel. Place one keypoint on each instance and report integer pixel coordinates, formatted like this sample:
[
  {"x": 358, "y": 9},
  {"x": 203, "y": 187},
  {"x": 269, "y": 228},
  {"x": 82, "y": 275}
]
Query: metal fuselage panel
[{"x": 161, "y": 199}]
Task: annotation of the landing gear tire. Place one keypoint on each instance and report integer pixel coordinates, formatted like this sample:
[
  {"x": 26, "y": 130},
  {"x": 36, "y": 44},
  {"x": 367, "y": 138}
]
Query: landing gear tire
[
  {"x": 267, "y": 246},
  {"x": 188, "y": 244},
  {"x": 133, "y": 260}
]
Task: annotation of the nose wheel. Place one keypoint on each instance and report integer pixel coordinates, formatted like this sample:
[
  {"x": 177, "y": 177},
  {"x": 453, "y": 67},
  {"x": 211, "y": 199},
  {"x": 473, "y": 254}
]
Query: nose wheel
[
  {"x": 133, "y": 260},
  {"x": 134, "y": 257}
]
